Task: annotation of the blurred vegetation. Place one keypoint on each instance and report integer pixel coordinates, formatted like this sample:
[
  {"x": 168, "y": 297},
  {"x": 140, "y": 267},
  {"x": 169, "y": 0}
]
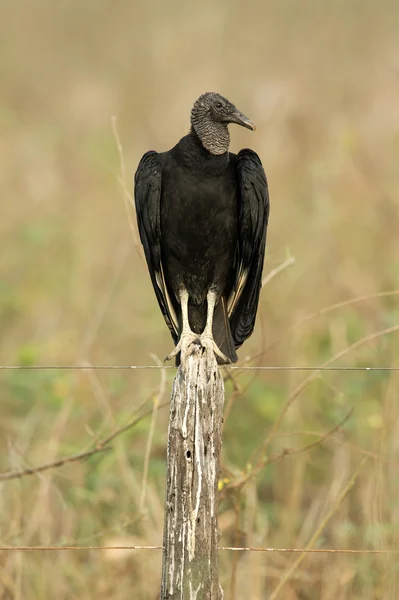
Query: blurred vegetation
[{"x": 322, "y": 82}]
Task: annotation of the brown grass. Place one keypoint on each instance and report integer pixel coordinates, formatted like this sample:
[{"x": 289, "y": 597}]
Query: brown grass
[{"x": 322, "y": 82}]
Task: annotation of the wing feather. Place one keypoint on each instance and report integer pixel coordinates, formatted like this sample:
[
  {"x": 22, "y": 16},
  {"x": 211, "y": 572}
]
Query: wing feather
[
  {"x": 254, "y": 214},
  {"x": 147, "y": 196}
]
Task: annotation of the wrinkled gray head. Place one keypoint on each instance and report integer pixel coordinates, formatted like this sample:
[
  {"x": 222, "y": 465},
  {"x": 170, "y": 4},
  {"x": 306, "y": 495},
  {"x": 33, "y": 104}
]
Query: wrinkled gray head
[{"x": 210, "y": 117}]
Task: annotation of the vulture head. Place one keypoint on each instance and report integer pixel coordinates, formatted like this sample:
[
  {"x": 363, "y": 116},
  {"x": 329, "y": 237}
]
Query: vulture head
[{"x": 210, "y": 116}]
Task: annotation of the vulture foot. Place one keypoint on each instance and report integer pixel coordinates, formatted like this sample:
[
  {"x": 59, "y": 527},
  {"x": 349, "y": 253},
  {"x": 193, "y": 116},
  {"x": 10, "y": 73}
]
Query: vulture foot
[
  {"x": 186, "y": 339},
  {"x": 210, "y": 345}
]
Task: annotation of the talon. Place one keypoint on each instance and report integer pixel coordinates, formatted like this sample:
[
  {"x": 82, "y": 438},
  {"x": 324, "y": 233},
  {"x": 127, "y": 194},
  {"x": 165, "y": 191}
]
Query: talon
[
  {"x": 209, "y": 343},
  {"x": 186, "y": 339},
  {"x": 174, "y": 352}
]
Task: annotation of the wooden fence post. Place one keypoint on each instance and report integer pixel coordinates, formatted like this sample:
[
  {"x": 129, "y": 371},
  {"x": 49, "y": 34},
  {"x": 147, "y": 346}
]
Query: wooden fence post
[{"x": 189, "y": 560}]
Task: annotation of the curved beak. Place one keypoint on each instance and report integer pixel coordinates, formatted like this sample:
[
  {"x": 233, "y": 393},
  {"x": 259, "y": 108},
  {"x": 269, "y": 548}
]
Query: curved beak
[{"x": 240, "y": 119}]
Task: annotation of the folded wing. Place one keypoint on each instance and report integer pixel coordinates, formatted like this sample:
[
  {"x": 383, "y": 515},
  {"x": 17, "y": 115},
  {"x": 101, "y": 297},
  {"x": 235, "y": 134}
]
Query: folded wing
[
  {"x": 253, "y": 218},
  {"x": 147, "y": 196}
]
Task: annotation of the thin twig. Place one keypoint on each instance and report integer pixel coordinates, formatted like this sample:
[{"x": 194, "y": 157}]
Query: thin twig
[
  {"x": 286, "y": 452},
  {"x": 52, "y": 465},
  {"x": 312, "y": 377},
  {"x": 156, "y": 402},
  {"x": 127, "y": 196},
  {"x": 233, "y": 578},
  {"x": 236, "y": 393},
  {"x": 327, "y": 309},
  {"x": 122, "y": 252},
  {"x": 101, "y": 446},
  {"x": 341, "y": 442},
  {"x": 286, "y": 263},
  {"x": 284, "y": 579}
]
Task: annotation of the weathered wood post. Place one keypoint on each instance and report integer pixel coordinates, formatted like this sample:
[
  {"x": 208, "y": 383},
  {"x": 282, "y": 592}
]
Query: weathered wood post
[{"x": 189, "y": 560}]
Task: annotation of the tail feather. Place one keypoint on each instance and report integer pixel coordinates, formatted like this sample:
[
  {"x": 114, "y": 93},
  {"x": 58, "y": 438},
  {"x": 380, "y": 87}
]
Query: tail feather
[{"x": 222, "y": 332}]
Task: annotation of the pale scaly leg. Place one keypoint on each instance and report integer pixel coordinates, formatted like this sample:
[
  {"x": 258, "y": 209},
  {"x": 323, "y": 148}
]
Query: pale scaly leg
[
  {"x": 187, "y": 336},
  {"x": 206, "y": 337}
]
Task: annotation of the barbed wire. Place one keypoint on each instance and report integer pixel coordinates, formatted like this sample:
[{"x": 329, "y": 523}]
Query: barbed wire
[
  {"x": 224, "y": 548},
  {"x": 158, "y": 367}
]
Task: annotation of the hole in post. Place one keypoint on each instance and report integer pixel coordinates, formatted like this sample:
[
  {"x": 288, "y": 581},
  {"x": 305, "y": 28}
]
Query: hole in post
[
  {"x": 205, "y": 450},
  {"x": 188, "y": 454}
]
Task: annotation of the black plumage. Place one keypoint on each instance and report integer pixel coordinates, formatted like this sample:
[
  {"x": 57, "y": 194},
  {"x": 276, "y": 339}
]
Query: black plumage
[{"x": 202, "y": 214}]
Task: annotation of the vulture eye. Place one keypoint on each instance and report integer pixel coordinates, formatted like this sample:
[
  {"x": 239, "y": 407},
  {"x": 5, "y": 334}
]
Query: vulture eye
[{"x": 218, "y": 104}]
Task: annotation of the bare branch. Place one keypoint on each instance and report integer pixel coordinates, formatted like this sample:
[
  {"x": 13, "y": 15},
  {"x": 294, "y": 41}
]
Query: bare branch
[
  {"x": 101, "y": 446},
  {"x": 127, "y": 196},
  {"x": 327, "y": 309},
  {"x": 122, "y": 252},
  {"x": 286, "y": 452},
  {"x": 287, "y": 263},
  {"x": 312, "y": 376},
  {"x": 294, "y": 567},
  {"x": 156, "y": 402}
]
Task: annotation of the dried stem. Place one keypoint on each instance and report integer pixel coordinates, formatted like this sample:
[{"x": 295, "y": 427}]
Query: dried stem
[
  {"x": 286, "y": 452},
  {"x": 286, "y": 263},
  {"x": 127, "y": 196},
  {"x": 101, "y": 446},
  {"x": 294, "y": 567},
  {"x": 156, "y": 403}
]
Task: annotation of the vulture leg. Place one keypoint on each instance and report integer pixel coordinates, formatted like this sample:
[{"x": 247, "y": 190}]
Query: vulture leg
[
  {"x": 187, "y": 336},
  {"x": 206, "y": 337}
]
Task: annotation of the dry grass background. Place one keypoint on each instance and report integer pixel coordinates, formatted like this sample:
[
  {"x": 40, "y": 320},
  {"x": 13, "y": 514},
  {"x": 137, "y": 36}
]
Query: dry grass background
[{"x": 322, "y": 82}]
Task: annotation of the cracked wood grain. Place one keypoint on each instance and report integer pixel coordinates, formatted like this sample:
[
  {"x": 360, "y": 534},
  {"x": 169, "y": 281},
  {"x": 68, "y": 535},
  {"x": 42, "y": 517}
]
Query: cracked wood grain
[{"x": 189, "y": 561}]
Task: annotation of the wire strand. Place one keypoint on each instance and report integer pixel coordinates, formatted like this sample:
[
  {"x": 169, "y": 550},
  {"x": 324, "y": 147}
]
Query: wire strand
[
  {"x": 143, "y": 367},
  {"x": 224, "y": 548}
]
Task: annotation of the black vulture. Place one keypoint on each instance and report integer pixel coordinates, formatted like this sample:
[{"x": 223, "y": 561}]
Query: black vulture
[{"x": 202, "y": 214}]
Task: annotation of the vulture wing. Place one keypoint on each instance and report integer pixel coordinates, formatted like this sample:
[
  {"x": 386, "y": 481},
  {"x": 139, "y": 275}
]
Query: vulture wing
[
  {"x": 147, "y": 196},
  {"x": 253, "y": 205}
]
